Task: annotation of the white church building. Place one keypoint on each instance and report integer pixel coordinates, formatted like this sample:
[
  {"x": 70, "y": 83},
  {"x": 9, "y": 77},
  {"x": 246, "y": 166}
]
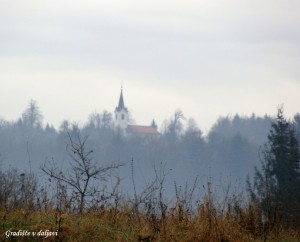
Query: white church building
[{"x": 122, "y": 123}]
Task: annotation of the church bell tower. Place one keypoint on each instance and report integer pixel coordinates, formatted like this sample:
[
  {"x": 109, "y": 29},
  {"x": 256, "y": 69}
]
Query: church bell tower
[{"x": 121, "y": 114}]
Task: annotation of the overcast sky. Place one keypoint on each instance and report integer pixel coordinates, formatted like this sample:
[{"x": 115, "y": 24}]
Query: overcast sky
[{"x": 205, "y": 57}]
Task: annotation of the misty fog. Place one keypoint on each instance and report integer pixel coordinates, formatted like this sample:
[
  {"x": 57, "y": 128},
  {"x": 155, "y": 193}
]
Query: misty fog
[{"x": 227, "y": 154}]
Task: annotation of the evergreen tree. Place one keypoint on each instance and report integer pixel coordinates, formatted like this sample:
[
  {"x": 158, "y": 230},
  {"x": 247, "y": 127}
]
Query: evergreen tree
[{"x": 276, "y": 186}]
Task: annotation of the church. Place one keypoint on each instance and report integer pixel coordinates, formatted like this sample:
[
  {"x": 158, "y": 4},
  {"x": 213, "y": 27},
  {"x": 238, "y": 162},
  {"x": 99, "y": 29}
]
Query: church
[{"x": 122, "y": 123}]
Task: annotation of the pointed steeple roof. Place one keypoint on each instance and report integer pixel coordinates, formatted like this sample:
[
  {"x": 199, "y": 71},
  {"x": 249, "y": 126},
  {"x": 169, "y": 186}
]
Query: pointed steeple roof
[{"x": 121, "y": 102}]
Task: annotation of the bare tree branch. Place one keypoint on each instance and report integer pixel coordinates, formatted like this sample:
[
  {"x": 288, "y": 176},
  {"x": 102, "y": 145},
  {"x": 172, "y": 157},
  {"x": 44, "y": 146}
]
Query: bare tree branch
[{"x": 83, "y": 170}]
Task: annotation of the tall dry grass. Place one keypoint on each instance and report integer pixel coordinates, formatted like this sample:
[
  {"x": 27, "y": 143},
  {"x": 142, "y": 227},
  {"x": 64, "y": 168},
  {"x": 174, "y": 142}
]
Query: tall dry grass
[{"x": 207, "y": 224}]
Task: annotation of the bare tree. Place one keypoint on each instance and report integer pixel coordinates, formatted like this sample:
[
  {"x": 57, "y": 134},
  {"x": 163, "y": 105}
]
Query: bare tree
[
  {"x": 32, "y": 116},
  {"x": 174, "y": 126},
  {"x": 95, "y": 120},
  {"x": 83, "y": 170}
]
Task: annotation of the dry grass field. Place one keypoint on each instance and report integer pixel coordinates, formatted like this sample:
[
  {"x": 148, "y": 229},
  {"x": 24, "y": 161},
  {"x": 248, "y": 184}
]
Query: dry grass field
[{"x": 127, "y": 224}]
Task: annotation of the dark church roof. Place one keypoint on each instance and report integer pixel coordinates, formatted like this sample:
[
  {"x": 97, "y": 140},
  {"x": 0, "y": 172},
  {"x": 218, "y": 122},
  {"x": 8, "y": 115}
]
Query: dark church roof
[{"x": 121, "y": 103}]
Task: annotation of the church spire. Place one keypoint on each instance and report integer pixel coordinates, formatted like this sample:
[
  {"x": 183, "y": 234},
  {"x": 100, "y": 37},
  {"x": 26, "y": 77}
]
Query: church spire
[
  {"x": 121, "y": 101},
  {"x": 121, "y": 114}
]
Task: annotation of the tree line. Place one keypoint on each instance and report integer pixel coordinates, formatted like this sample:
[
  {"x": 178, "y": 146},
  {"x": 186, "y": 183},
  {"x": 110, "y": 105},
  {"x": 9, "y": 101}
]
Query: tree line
[{"x": 230, "y": 145}]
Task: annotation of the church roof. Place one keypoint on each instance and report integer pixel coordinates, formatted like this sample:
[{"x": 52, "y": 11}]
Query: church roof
[
  {"x": 121, "y": 102},
  {"x": 141, "y": 129}
]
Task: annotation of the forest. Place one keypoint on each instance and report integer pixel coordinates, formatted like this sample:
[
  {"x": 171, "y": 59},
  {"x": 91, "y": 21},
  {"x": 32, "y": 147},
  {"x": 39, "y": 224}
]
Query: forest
[
  {"x": 238, "y": 182},
  {"x": 231, "y": 147}
]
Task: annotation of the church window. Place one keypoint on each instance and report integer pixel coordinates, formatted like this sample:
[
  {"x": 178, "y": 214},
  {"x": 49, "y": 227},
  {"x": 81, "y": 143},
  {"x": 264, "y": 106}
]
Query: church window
[{"x": 122, "y": 116}]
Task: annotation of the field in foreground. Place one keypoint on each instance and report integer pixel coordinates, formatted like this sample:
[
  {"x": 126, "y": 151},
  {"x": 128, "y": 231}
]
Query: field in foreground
[{"x": 131, "y": 225}]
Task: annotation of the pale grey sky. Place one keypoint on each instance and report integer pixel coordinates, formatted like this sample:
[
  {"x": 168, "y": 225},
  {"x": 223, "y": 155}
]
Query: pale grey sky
[{"x": 208, "y": 58}]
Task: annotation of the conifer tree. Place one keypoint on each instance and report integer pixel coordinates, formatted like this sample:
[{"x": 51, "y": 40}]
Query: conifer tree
[{"x": 277, "y": 185}]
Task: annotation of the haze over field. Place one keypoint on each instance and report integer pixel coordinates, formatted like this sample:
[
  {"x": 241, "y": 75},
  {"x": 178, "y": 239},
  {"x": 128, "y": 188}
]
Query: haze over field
[{"x": 208, "y": 58}]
